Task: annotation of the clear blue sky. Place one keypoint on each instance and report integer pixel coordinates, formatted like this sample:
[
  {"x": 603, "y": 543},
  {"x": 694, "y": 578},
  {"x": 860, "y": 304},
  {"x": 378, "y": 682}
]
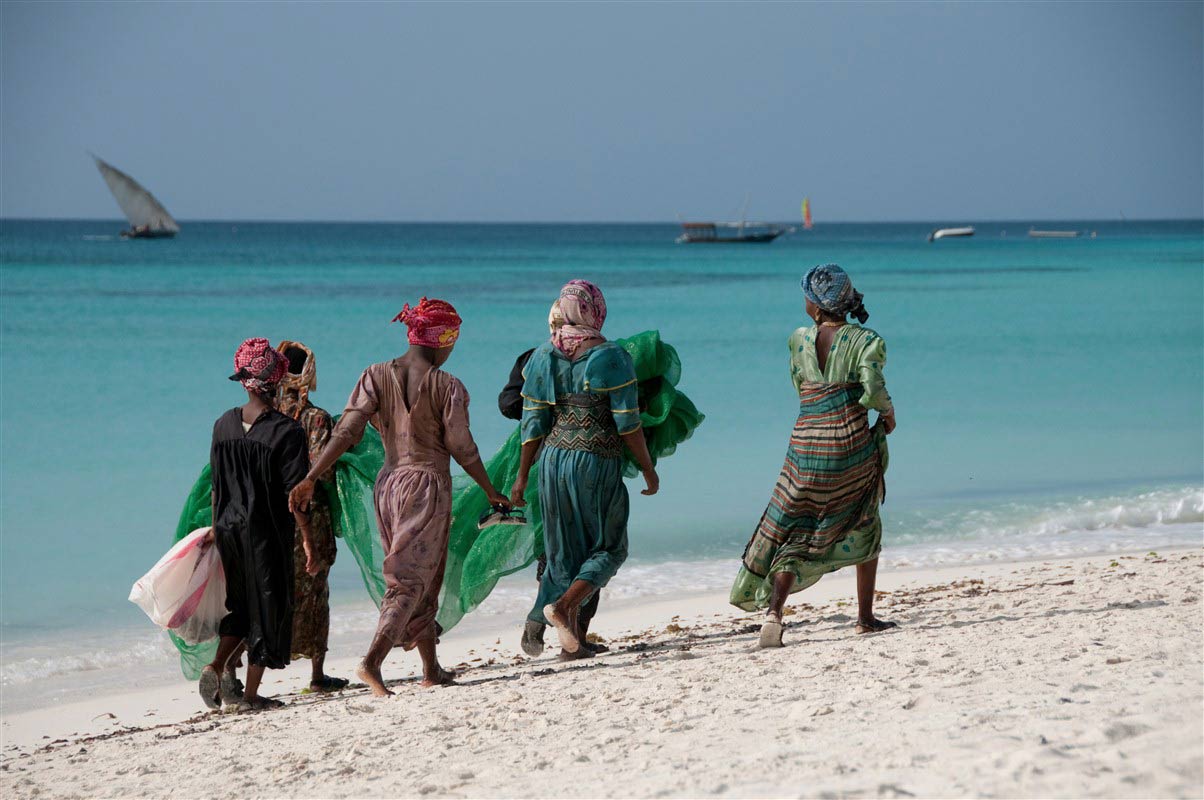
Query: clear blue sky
[{"x": 498, "y": 112}]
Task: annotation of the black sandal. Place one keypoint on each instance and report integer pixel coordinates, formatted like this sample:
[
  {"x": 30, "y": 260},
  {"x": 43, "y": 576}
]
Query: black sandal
[
  {"x": 328, "y": 684},
  {"x": 259, "y": 704},
  {"x": 877, "y": 626}
]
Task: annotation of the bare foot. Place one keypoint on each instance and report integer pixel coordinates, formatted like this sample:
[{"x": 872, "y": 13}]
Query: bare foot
[
  {"x": 372, "y": 677},
  {"x": 444, "y": 677},
  {"x": 874, "y": 625},
  {"x": 560, "y": 621}
]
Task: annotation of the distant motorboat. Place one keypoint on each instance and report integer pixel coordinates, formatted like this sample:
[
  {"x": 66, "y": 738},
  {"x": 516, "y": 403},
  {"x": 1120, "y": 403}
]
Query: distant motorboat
[
  {"x": 713, "y": 232},
  {"x": 147, "y": 217},
  {"x": 1036, "y": 234},
  {"x": 945, "y": 233}
]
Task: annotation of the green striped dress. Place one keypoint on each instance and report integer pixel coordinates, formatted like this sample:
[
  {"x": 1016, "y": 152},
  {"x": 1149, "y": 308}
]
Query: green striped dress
[{"x": 823, "y": 514}]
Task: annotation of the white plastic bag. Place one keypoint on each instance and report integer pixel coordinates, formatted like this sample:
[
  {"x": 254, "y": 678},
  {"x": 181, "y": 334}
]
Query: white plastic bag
[{"x": 186, "y": 591}]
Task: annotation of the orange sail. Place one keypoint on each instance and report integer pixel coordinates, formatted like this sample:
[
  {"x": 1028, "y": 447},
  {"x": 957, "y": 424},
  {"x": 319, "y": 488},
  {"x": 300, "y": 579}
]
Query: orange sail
[{"x": 806, "y": 213}]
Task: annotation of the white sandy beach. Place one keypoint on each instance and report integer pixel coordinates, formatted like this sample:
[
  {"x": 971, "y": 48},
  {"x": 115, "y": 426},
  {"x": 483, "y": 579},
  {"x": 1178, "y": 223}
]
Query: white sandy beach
[{"x": 1075, "y": 678}]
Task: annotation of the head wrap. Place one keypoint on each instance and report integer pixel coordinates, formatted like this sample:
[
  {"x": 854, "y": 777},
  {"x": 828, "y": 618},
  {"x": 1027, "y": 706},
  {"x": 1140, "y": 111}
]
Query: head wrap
[
  {"x": 829, "y": 287},
  {"x": 258, "y": 367},
  {"x": 293, "y": 395},
  {"x": 432, "y": 323},
  {"x": 584, "y": 311},
  {"x": 555, "y": 318}
]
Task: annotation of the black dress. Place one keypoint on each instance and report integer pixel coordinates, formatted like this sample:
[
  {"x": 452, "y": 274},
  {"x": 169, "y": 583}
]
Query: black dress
[{"x": 253, "y": 472}]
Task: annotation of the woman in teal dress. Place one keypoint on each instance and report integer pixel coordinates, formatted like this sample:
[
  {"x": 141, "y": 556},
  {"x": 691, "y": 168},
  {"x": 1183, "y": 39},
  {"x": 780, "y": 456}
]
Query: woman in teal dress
[
  {"x": 581, "y": 404},
  {"x": 823, "y": 514}
]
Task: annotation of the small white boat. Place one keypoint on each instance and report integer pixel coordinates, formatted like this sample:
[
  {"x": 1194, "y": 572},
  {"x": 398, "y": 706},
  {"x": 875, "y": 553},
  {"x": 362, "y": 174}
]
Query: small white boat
[
  {"x": 945, "y": 233},
  {"x": 1036, "y": 234}
]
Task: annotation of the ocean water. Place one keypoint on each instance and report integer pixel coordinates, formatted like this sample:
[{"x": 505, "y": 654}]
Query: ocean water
[{"x": 1050, "y": 393}]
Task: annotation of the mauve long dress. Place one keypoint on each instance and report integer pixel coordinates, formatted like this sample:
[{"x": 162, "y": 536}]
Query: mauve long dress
[{"x": 413, "y": 489}]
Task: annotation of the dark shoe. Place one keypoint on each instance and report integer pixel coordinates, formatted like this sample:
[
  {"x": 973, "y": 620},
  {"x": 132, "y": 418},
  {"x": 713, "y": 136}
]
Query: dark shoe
[
  {"x": 230, "y": 689},
  {"x": 328, "y": 684},
  {"x": 532, "y": 642},
  {"x": 208, "y": 687}
]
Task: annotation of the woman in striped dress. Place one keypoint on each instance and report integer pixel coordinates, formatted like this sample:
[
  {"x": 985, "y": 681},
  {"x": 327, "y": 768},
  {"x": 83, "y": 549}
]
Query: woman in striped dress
[{"x": 823, "y": 514}]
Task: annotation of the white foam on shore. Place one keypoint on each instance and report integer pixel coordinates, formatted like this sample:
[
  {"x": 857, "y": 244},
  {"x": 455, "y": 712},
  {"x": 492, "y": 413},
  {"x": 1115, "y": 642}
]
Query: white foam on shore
[{"x": 1010, "y": 531}]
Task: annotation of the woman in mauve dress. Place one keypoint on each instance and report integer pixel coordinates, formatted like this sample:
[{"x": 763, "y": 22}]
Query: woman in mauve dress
[{"x": 421, "y": 413}]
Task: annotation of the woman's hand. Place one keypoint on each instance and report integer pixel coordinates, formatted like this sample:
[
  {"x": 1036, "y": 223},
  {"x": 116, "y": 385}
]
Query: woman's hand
[
  {"x": 888, "y": 421},
  {"x": 206, "y": 540},
  {"x": 496, "y": 498},
  {"x": 312, "y": 567},
  {"x": 653, "y": 480},
  {"x": 301, "y": 495},
  {"x": 517, "y": 491}
]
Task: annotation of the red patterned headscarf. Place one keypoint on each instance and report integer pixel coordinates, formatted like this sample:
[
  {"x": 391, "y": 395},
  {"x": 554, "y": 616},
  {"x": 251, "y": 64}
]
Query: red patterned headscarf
[
  {"x": 258, "y": 367},
  {"x": 584, "y": 311},
  {"x": 432, "y": 323}
]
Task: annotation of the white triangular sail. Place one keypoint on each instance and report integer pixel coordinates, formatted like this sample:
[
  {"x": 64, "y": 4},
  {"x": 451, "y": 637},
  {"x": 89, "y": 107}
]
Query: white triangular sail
[{"x": 139, "y": 206}]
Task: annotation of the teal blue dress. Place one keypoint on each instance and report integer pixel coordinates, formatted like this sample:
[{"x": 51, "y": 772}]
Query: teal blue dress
[{"x": 579, "y": 409}]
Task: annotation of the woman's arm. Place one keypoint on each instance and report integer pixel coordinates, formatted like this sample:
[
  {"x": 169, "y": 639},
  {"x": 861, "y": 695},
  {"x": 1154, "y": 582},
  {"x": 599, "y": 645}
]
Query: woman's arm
[
  {"x": 525, "y": 460},
  {"x": 638, "y": 446},
  {"x": 301, "y": 495}
]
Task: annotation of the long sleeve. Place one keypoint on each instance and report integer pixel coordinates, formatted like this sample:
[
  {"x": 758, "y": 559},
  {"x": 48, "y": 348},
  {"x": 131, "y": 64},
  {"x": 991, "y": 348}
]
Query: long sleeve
[
  {"x": 510, "y": 401},
  {"x": 612, "y": 372},
  {"x": 870, "y": 364},
  {"x": 317, "y": 425},
  {"x": 292, "y": 458},
  {"x": 457, "y": 436},
  {"x": 539, "y": 395},
  {"x": 362, "y": 405}
]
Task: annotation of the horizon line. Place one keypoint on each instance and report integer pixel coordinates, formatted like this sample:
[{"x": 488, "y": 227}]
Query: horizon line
[{"x": 303, "y": 221}]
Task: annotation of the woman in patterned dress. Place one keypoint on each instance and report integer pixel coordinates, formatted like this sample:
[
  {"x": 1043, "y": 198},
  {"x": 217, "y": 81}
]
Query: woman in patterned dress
[
  {"x": 823, "y": 514},
  {"x": 311, "y": 598}
]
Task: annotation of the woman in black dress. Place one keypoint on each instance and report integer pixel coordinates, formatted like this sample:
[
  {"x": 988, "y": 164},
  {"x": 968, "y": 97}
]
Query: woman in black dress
[{"x": 257, "y": 456}]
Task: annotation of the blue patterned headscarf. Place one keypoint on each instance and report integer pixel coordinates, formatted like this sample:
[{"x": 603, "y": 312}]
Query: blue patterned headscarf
[{"x": 829, "y": 287}]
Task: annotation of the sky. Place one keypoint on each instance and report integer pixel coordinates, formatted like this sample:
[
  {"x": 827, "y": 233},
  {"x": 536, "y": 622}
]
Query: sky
[{"x": 616, "y": 112}]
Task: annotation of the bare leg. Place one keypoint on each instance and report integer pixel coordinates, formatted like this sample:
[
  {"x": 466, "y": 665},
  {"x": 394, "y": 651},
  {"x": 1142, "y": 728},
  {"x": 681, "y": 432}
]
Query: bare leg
[
  {"x": 771, "y": 628},
  {"x": 317, "y": 670},
  {"x": 227, "y": 648},
  {"x": 783, "y": 582},
  {"x": 254, "y": 676},
  {"x": 369, "y": 669},
  {"x": 867, "y": 575},
  {"x": 432, "y": 673},
  {"x": 563, "y": 614}
]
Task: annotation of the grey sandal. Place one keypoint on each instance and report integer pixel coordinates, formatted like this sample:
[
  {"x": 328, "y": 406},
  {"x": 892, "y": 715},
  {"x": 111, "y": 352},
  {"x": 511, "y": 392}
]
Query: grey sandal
[
  {"x": 230, "y": 689},
  {"x": 532, "y": 642},
  {"x": 209, "y": 688}
]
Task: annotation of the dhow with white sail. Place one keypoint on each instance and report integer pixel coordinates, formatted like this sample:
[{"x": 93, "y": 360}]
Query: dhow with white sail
[{"x": 148, "y": 218}]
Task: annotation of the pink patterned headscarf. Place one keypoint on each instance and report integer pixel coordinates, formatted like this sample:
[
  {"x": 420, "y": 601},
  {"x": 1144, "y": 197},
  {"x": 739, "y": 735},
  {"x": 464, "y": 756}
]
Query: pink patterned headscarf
[
  {"x": 432, "y": 323},
  {"x": 258, "y": 367},
  {"x": 584, "y": 311}
]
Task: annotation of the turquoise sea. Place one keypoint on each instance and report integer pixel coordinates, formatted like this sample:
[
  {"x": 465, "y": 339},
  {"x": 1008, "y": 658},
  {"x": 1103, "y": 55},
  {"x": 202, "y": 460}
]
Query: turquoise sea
[{"x": 1050, "y": 393}]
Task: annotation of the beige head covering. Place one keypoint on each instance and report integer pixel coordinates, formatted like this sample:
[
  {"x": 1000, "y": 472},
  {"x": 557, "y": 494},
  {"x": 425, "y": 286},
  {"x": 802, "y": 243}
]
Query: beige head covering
[{"x": 293, "y": 395}]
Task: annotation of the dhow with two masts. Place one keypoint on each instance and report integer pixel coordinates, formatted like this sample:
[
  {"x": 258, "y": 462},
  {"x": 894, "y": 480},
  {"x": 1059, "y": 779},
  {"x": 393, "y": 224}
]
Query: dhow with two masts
[{"x": 147, "y": 216}]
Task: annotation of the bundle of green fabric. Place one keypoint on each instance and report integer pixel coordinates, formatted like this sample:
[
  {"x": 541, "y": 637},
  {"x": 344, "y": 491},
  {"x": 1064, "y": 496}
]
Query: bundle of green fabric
[{"x": 476, "y": 559}]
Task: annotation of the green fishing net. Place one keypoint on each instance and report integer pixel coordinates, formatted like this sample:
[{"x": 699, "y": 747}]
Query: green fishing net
[{"x": 476, "y": 559}]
